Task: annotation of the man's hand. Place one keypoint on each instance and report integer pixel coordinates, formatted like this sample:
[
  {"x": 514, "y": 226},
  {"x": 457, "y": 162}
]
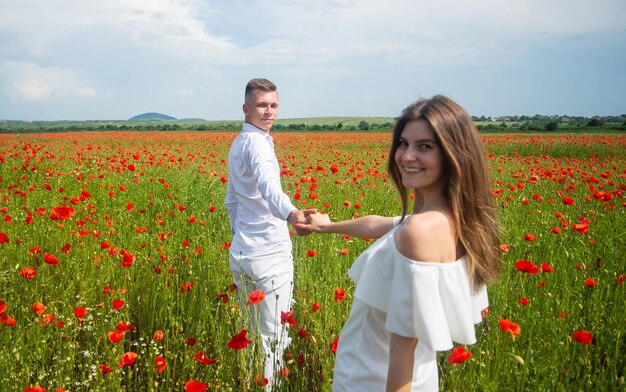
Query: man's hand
[{"x": 300, "y": 216}]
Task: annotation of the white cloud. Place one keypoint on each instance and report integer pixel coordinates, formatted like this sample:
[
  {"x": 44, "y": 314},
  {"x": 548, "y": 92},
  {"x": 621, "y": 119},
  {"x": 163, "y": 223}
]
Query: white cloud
[
  {"x": 30, "y": 82},
  {"x": 193, "y": 56}
]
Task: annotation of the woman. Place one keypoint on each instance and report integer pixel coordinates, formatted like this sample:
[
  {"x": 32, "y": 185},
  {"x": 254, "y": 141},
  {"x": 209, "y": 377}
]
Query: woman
[{"x": 422, "y": 284}]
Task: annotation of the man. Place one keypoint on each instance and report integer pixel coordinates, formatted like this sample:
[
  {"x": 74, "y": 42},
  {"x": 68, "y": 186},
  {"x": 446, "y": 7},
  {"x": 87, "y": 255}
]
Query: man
[{"x": 258, "y": 209}]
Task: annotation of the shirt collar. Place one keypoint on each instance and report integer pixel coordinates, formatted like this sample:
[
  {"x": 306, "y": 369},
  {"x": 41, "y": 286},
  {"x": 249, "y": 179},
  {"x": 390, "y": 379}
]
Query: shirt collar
[{"x": 247, "y": 127}]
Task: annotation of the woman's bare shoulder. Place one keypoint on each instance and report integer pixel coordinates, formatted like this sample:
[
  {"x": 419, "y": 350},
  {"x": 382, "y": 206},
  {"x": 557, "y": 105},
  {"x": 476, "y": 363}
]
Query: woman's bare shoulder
[{"x": 427, "y": 237}]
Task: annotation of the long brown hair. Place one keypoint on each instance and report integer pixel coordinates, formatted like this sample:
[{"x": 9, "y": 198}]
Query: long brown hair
[{"x": 467, "y": 188}]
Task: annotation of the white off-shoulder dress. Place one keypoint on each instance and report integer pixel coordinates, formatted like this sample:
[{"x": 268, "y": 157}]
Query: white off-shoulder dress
[{"x": 432, "y": 302}]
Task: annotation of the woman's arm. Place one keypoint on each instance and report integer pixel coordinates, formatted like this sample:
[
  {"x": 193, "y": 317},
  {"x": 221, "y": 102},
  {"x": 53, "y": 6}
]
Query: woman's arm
[
  {"x": 400, "y": 373},
  {"x": 370, "y": 226}
]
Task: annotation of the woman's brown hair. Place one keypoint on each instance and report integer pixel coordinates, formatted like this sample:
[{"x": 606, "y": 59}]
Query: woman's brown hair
[{"x": 468, "y": 182}]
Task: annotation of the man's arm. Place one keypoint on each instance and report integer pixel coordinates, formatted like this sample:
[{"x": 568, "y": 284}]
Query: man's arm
[
  {"x": 267, "y": 175},
  {"x": 232, "y": 206}
]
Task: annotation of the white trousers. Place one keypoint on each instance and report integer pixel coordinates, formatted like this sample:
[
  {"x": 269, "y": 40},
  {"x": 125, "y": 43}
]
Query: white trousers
[{"x": 272, "y": 273}]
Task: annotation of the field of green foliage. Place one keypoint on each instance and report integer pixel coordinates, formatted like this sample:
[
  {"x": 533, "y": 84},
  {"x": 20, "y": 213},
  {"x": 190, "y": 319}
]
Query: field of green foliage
[{"x": 114, "y": 262}]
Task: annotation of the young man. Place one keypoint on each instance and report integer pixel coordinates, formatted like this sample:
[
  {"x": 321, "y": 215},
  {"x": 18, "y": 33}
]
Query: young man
[{"x": 258, "y": 209}]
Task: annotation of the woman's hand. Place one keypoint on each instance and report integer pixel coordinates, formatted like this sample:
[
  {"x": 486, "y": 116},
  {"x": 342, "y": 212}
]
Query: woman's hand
[{"x": 316, "y": 223}]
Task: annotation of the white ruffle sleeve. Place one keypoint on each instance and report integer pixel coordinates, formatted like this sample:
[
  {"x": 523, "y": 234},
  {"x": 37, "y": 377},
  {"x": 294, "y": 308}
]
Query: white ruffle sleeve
[{"x": 432, "y": 302}]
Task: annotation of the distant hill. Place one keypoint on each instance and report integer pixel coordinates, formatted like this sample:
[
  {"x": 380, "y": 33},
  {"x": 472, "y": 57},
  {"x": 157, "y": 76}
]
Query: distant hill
[{"x": 152, "y": 117}]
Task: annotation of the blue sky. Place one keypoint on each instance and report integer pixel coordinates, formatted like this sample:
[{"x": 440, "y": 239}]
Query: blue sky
[{"x": 113, "y": 59}]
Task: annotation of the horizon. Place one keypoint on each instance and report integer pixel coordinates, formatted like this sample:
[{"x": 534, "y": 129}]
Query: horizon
[
  {"x": 192, "y": 119},
  {"x": 69, "y": 61}
]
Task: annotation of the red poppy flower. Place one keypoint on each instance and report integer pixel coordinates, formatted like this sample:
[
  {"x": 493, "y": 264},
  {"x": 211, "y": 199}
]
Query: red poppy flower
[
  {"x": 28, "y": 273},
  {"x": 568, "y": 201},
  {"x": 124, "y": 327},
  {"x": 160, "y": 363},
  {"x": 582, "y": 228},
  {"x": 118, "y": 304},
  {"x": 590, "y": 282},
  {"x": 547, "y": 268},
  {"x": 127, "y": 258},
  {"x": 287, "y": 317},
  {"x": 582, "y": 336},
  {"x": 47, "y": 319},
  {"x": 620, "y": 279},
  {"x": 256, "y": 297},
  {"x": 62, "y": 212},
  {"x": 3, "y": 306},
  {"x": 51, "y": 259},
  {"x": 509, "y": 327},
  {"x": 526, "y": 266},
  {"x": 115, "y": 336},
  {"x": 334, "y": 344},
  {"x": 105, "y": 245},
  {"x": 343, "y": 252},
  {"x": 105, "y": 369},
  {"x": 529, "y": 237},
  {"x": 260, "y": 380},
  {"x": 311, "y": 253},
  {"x": 128, "y": 359},
  {"x": 239, "y": 341},
  {"x": 39, "y": 308},
  {"x": 36, "y": 388},
  {"x": 7, "y": 320},
  {"x": 523, "y": 301},
  {"x": 4, "y": 239},
  {"x": 302, "y": 333},
  {"x": 223, "y": 297},
  {"x": 459, "y": 355},
  {"x": 195, "y": 386},
  {"x": 340, "y": 295},
  {"x": 80, "y": 312},
  {"x": 190, "y": 341},
  {"x": 204, "y": 359},
  {"x": 158, "y": 335},
  {"x": 315, "y": 306},
  {"x": 504, "y": 248}
]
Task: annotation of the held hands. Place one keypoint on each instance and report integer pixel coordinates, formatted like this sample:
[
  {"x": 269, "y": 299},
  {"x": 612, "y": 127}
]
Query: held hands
[
  {"x": 298, "y": 217},
  {"x": 316, "y": 223}
]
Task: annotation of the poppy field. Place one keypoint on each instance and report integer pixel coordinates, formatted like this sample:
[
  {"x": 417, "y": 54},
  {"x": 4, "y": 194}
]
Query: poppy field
[{"x": 114, "y": 262}]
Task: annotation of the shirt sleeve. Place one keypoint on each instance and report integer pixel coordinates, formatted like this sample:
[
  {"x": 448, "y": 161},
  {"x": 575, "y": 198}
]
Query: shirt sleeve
[
  {"x": 232, "y": 205},
  {"x": 266, "y": 171},
  {"x": 434, "y": 305}
]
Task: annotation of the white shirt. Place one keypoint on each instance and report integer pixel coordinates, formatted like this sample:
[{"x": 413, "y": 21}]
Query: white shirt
[{"x": 257, "y": 206}]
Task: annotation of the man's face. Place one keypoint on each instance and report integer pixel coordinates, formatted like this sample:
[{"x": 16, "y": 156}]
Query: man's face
[{"x": 261, "y": 108}]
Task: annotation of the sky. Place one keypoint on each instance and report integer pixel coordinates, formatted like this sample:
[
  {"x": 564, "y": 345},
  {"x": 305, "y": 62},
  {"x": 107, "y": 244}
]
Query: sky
[{"x": 114, "y": 59}]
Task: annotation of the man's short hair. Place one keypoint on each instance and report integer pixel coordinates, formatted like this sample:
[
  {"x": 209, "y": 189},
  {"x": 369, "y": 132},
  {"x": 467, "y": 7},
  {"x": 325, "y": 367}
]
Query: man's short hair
[{"x": 259, "y": 84}]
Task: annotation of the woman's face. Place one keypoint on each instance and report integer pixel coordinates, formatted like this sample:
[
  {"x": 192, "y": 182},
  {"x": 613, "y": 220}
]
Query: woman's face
[{"x": 419, "y": 157}]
